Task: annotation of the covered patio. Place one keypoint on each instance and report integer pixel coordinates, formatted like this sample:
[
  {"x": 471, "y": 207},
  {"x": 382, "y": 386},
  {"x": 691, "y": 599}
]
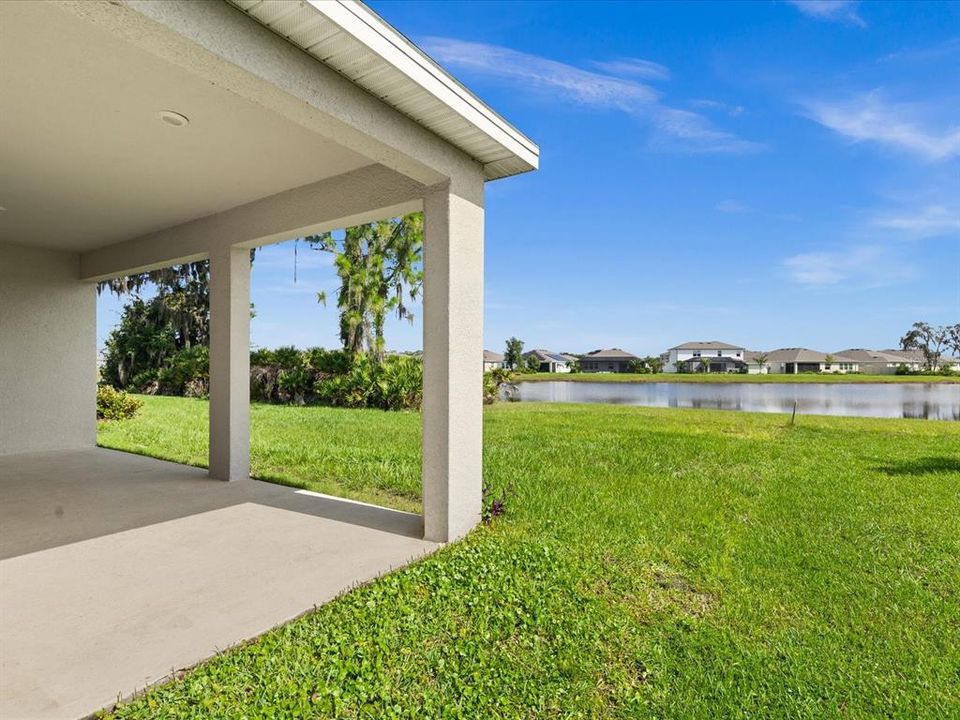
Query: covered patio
[
  {"x": 117, "y": 570},
  {"x": 146, "y": 134}
]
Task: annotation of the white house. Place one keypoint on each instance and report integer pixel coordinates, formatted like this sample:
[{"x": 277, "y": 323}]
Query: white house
[
  {"x": 139, "y": 134},
  {"x": 713, "y": 355},
  {"x": 550, "y": 361},
  {"x": 793, "y": 361},
  {"x": 492, "y": 360}
]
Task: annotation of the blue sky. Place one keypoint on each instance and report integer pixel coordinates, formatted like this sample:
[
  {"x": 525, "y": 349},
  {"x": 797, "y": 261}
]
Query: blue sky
[{"x": 767, "y": 173}]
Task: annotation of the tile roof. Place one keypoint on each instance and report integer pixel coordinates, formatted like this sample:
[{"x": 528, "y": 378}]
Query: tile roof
[
  {"x": 611, "y": 354},
  {"x": 707, "y": 345},
  {"x": 803, "y": 355}
]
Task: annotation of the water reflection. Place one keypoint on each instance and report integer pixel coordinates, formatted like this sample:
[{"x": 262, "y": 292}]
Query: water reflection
[{"x": 927, "y": 401}]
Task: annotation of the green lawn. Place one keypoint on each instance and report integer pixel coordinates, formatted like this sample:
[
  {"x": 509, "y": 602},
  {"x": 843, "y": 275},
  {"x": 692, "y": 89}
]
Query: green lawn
[
  {"x": 652, "y": 563},
  {"x": 737, "y": 378}
]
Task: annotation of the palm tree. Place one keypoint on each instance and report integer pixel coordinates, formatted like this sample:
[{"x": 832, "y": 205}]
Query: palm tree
[
  {"x": 704, "y": 365},
  {"x": 380, "y": 266},
  {"x": 761, "y": 360}
]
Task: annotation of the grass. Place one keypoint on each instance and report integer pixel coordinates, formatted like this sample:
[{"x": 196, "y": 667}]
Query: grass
[
  {"x": 828, "y": 378},
  {"x": 652, "y": 563},
  {"x": 368, "y": 455}
]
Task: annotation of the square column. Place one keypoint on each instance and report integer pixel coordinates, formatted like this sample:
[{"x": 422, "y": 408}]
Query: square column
[
  {"x": 230, "y": 363},
  {"x": 452, "y": 361}
]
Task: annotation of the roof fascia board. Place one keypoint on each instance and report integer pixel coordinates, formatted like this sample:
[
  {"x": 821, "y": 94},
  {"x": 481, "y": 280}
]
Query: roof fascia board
[{"x": 382, "y": 39}]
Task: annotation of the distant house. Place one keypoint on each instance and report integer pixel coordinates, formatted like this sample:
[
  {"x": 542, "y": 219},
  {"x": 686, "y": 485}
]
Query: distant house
[
  {"x": 710, "y": 355},
  {"x": 883, "y": 362},
  {"x": 612, "y": 360},
  {"x": 550, "y": 361},
  {"x": 752, "y": 359},
  {"x": 492, "y": 360},
  {"x": 793, "y": 361},
  {"x": 915, "y": 360}
]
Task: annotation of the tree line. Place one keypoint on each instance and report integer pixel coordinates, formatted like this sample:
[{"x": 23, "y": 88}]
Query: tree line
[
  {"x": 932, "y": 341},
  {"x": 161, "y": 342}
]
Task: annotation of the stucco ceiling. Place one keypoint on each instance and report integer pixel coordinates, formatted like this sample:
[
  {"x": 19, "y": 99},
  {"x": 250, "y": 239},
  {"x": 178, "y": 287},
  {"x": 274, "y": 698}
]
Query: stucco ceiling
[{"x": 86, "y": 162}]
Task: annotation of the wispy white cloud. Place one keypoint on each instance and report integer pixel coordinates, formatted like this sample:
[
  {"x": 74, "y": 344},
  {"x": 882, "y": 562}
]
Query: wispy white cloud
[
  {"x": 726, "y": 108},
  {"x": 878, "y": 249},
  {"x": 870, "y": 117},
  {"x": 924, "y": 54},
  {"x": 634, "y": 67},
  {"x": 671, "y": 128},
  {"x": 844, "y": 11},
  {"x": 582, "y": 86},
  {"x": 928, "y": 221},
  {"x": 860, "y": 266},
  {"x": 733, "y": 207}
]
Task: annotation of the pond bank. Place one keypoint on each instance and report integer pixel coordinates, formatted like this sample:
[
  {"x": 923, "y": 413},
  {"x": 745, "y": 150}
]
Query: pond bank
[
  {"x": 928, "y": 401},
  {"x": 825, "y": 378}
]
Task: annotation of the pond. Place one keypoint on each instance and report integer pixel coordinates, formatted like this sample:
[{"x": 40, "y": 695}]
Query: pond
[{"x": 893, "y": 400}]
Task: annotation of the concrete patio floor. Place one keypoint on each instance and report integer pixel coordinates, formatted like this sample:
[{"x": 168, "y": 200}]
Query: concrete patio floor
[{"x": 117, "y": 570}]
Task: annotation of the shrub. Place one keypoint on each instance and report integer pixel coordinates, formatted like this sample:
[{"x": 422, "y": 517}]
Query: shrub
[
  {"x": 399, "y": 383},
  {"x": 330, "y": 362},
  {"x": 145, "y": 382},
  {"x": 263, "y": 382},
  {"x": 262, "y": 357},
  {"x": 187, "y": 373},
  {"x": 531, "y": 364},
  {"x": 293, "y": 384},
  {"x": 287, "y": 357},
  {"x": 113, "y": 404},
  {"x": 303, "y": 377},
  {"x": 493, "y": 382}
]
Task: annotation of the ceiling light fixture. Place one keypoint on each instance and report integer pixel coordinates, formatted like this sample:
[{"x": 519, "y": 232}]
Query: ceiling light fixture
[{"x": 173, "y": 118}]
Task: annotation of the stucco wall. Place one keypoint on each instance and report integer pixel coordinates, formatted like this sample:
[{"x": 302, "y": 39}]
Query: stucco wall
[{"x": 47, "y": 352}]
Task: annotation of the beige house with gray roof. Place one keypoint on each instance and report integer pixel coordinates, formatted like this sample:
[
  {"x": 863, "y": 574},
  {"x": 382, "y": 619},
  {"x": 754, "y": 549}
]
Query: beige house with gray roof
[
  {"x": 793, "y": 361},
  {"x": 883, "y": 362}
]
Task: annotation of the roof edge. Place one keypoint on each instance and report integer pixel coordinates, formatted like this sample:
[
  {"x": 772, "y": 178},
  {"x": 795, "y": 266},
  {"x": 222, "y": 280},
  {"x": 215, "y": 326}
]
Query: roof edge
[{"x": 390, "y": 45}]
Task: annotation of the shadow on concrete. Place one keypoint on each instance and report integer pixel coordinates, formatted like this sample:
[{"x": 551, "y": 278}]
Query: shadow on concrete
[{"x": 56, "y": 498}]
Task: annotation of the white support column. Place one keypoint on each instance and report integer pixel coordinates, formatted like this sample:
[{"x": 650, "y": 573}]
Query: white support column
[
  {"x": 452, "y": 361},
  {"x": 230, "y": 363}
]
